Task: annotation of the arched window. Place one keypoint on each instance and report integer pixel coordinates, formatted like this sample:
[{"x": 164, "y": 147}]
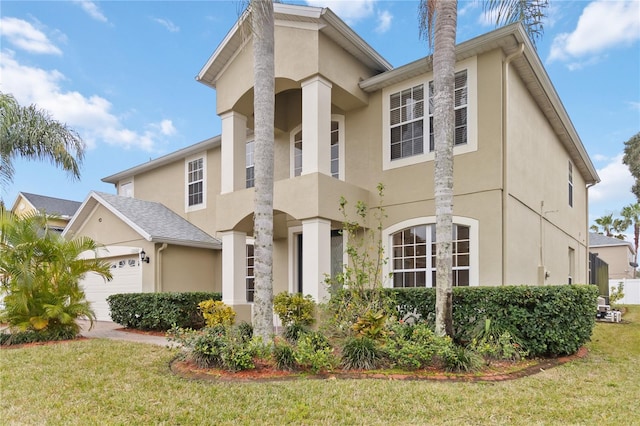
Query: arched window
[{"x": 412, "y": 253}]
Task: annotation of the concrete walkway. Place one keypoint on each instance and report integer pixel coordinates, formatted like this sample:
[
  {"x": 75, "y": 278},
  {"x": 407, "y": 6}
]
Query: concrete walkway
[{"x": 111, "y": 330}]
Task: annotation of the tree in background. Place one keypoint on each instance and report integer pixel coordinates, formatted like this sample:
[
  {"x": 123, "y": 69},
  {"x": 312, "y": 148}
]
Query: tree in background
[
  {"x": 632, "y": 159},
  {"x": 40, "y": 273},
  {"x": 264, "y": 110},
  {"x": 438, "y": 22},
  {"x": 32, "y": 133},
  {"x": 631, "y": 214}
]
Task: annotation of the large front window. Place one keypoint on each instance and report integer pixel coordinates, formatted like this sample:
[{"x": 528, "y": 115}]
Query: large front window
[
  {"x": 406, "y": 121},
  {"x": 460, "y": 106},
  {"x": 195, "y": 182},
  {"x": 413, "y": 255}
]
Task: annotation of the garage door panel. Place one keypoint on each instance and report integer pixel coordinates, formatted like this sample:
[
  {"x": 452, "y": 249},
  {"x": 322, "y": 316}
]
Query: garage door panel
[{"x": 127, "y": 278}]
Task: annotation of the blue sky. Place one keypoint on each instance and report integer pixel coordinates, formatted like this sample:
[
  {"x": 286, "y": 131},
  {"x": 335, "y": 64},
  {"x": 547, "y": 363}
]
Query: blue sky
[{"x": 122, "y": 74}]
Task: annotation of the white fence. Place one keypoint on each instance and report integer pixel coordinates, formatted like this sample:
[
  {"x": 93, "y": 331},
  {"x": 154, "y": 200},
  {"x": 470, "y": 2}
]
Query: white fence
[{"x": 631, "y": 291}]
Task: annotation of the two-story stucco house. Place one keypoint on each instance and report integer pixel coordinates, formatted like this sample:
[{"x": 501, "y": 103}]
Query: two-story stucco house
[{"x": 345, "y": 121}]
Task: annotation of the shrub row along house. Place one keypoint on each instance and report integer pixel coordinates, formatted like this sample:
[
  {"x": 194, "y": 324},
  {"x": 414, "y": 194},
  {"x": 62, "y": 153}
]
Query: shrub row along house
[{"x": 345, "y": 121}]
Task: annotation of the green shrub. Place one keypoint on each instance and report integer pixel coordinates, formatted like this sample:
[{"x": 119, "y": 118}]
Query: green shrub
[
  {"x": 412, "y": 347},
  {"x": 32, "y": 336},
  {"x": 220, "y": 346},
  {"x": 548, "y": 320},
  {"x": 370, "y": 324},
  {"x": 292, "y": 332},
  {"x": 159, "y": 311},
  {"x": 283, "y": 355},
  {"x": 216, "y": 312},
  {"x": 458, "y": 358},
  {"x": 314, "y": 352},
  {"x": 493, "y": 343},
  {"x": 294, "y": 309},
  {"x": 362, "y": 353}
]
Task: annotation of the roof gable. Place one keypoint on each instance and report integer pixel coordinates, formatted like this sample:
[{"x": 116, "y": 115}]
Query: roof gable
[
  {"x": 50, "y": 205},
  {"x": 153, "y": 221}
]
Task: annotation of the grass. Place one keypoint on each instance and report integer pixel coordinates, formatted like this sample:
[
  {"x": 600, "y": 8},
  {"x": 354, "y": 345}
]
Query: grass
[{"x": 97, "y": 382}]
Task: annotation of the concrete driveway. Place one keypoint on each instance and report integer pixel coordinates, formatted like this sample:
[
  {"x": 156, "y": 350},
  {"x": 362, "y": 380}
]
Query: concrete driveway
[{"x": 111, "y": 330}]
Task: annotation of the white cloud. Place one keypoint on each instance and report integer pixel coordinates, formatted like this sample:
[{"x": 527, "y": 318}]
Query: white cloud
[
  {"x": 91, "y": 116},
  {"x": 600, "y": 157},
  {"x": 92, "y": 10},
  {"x": 167, "y": 128},
  {"x": 170, "y": 26},
  {"x": 614, "y": 190},
  {"x": 602, "y": 25},
  {"x": 384, "y": 21},
  {"x": 350, "y": 11},
  {"x": 23, "y": 35}
]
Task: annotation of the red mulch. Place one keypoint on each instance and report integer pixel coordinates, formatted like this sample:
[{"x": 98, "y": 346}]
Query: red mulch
[
  {"x": 147, "y": 333},
  {"x": 498, "y": 371}
]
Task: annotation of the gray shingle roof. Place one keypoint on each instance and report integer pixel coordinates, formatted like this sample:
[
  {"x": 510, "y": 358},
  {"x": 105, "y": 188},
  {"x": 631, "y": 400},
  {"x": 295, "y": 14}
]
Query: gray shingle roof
[
  {"x": 51, "y": 205},
  {"x": 159, "y": 223},
  {"x": 602, "y": 240}
]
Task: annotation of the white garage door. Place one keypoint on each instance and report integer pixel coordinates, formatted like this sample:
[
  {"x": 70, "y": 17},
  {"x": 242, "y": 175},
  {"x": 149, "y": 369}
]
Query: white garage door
[{"x": 127, "y": 278}]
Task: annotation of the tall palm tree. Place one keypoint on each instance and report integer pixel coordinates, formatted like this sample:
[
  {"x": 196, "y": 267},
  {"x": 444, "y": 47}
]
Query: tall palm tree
[
  {"x": 632, "y": 214},
  {"x": 263, "y": 100},
  {"x": 444, "y": 14},
  {"x": 40, "y": 273},
  {"x": 32, "y": 133},
  {"x": 604, "y": 225}
]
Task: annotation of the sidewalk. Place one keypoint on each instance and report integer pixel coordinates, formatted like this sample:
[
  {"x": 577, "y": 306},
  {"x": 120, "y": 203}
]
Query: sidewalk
[{"x": 110, "y": 330}]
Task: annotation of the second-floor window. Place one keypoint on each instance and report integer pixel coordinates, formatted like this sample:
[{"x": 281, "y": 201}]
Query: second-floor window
[
  {"x": 406, "y": 121},
  {"x": 460, "y": 106},
  {"x": 250, "y": 165},
  {"x": 195, "y": 182},
  {"x": 335, "y": 149},
  {"x": 570, "y": 184}
]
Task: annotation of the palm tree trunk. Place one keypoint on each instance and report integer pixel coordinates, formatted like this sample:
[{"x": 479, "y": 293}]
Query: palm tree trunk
[
  {"x": 264, "y": 76},
  {"x": 444, "y": 60}
]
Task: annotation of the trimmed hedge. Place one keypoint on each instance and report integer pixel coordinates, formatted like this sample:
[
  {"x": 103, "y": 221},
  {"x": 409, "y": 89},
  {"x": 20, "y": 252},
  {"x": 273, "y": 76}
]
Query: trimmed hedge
[
  {"x": 159, "y": 311},
  {"x": 32, "y": 336},
  {"x": 549, "y": 320}
]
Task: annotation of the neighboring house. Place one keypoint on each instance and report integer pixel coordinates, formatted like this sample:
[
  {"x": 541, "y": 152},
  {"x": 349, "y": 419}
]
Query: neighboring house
[
  {"x": 61, "y": 210},
  {"x": 618, "y": 254},
  {"x": 345, "y": 121}
]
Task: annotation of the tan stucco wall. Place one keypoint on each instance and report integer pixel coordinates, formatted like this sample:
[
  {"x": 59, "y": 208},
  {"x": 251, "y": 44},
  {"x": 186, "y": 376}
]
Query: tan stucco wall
[
  {"x": 618, "y": 258},
  {"x": 189, "y": 269},
  {"x": 538, "y": 173}
]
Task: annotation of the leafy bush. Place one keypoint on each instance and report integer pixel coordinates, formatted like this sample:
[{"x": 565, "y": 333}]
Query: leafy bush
[
  {"x": 283, "y": 355},
  {"x": 294, "y": 309},
  {"x": 494, "y": 343},
  {"x": 361, "y": 353},
  {"x": 220, "y": 346},
  {"x": 159, "y": 311},
  {"x": 314, "y": 352},
  {"x": 216, "y": 312},
  {"x": 32, "y": 336},
  {"x": 292, "y": 332},
  {"x": 548, "y": 320},
  {"x": 370, "y": 324},
  {"x": 412, "y": 346}
]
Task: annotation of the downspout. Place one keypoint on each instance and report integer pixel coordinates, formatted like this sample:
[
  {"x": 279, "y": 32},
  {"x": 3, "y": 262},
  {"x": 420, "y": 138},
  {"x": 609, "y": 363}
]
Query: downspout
[
  {"x": 158, "y": 288},
  {"x": 589, "y": 185},
  {"x": 505, "y": 163}
]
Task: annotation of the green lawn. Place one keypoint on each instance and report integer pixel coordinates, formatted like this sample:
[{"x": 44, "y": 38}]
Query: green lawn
[{"x": 108, "y": 382}]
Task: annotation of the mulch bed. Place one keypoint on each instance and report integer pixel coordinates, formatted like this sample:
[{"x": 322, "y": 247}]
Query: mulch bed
[{"x": 266, "y": 372}]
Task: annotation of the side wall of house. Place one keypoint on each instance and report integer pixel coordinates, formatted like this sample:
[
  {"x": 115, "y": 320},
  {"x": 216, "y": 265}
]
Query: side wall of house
[
  {"x": 546, "y": 236},
  {"x": 618, "y": 258}
]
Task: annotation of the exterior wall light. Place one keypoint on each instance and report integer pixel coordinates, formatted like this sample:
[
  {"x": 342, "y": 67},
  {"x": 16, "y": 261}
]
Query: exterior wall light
[{"x": 144, "y": 257}]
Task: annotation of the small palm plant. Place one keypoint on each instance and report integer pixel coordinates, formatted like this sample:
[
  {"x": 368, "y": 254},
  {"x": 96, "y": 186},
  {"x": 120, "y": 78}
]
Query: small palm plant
[{"x": 40, "y": 273}]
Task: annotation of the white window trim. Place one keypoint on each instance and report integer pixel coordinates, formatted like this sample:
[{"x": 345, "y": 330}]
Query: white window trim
[
  {"x": 246, "y": 165},
  {"x": 203, "y": 205},
  {"x": 474, "y": 244},
  {"x": 250, "y": 241},
  {"x": 341, "y": 144},
  {"x": 471, "y": 65},
  {"x": 292, "y": 156}
]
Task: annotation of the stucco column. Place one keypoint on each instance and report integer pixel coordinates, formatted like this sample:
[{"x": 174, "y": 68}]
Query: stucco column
[
  {"x": 234, "y": 258},
  {"x": 233, "y": 152},
  {"x": 316, "y": 126},
  {"x": 316, "y": 257}
]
